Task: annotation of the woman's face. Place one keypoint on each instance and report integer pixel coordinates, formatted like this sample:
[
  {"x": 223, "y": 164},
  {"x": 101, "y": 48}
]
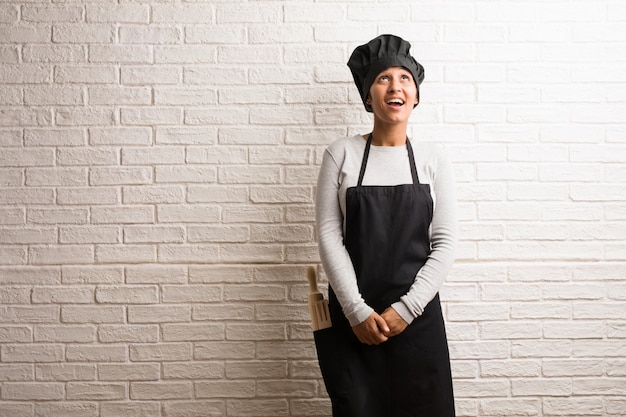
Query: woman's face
[{"x": 393, "y": 95}]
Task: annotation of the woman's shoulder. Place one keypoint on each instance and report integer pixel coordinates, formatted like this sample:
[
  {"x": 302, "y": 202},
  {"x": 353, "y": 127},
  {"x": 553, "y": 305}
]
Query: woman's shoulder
[{"x": 346, "y": 145}]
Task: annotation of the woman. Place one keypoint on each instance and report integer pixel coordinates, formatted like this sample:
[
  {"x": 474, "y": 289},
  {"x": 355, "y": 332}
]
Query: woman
[{"x": 387, "y": 228}]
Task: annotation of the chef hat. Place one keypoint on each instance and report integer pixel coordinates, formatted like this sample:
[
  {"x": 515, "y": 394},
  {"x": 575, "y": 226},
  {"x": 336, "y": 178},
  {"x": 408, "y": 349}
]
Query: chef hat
[{"x": 382, "y": 52}]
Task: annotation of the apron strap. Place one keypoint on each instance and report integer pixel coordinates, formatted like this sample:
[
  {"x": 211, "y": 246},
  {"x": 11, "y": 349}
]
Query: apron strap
[{"x": 366, "y": 153}]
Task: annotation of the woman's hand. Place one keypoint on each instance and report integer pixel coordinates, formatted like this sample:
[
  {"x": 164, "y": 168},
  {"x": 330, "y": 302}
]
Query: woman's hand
[
  {"x": 372, "y": 331},
  {"x": 396, "y": 323}
]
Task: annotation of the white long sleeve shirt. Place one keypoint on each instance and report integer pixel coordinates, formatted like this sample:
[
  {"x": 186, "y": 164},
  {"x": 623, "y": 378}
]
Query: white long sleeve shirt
[{"x": 387, "y": 165}]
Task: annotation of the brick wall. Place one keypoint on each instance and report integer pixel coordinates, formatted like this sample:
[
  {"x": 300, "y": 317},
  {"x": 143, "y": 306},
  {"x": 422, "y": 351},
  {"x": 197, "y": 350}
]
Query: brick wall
[{"x": 157, "y": 171}]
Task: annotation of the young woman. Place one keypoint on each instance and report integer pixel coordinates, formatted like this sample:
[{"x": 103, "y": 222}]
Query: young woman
[{"x": 387, "y": 228}]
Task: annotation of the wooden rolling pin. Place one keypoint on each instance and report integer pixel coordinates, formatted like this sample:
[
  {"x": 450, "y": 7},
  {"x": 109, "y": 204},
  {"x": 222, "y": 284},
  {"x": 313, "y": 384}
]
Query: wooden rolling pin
[{"x": 320, "y": 315}]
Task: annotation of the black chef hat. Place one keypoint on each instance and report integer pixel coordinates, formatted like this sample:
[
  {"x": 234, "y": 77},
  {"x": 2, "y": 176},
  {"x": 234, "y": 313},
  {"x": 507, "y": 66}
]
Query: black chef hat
[{"x": 370, "y": 59}]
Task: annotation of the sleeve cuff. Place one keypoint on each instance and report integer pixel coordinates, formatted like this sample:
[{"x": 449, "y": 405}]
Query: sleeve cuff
[
  {"x": 403, "y": 311},
  {"x": 360, "y": 315}
]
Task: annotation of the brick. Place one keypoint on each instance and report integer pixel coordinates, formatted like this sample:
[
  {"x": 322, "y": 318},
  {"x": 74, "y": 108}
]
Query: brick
[
  {"x": 159, "y": 314},
  {"x": 14, "y": 295},
  {"x": 156, "y": 274},
  {"x": 314, "y": 13},
  {"x": 10, "y": 138},
  {"x": 126, "y": 295},
  {"x": 65, "y": 372},
  {"x": 18, "y": 372},
  {"x": 128, "y": 333},
  {"x": 54, "y": 137},
  {"x": 188, "y": 13},
  {"x": 92, "y": 314},
  {"x": 52, "y": 53},
  {"x": 29, "y": 275},
  {"x": 13, "y": 256},
  {"x": 9, "y": 13},
  {"x": 191, "y": 293},
  {"x": 60, "y": 177},
  {"x": 63, "y": 295},
  {"x": 58, "y": 255},
  {"x": 223, "y": 312},
  {"x": 11, "y": 177},
  {"x": 127, "y": 54},
  {"x": 27, "y": 235},
  {"x": 74, "y": 74},
  {"x": 294, "y": 155},
  {"x": 217, "y": 155},
  {"x": 81, "y": 33},
  {"x": 33, "y": 353},
  {"x": 153, "y": 34},
  {"x": 151, "y": 116},
  {"x": 96, "y": 391},
  {"x": 188, "y": 253},
  {"x": 9, "y": 55},
  {"x": 186, "y": 135},
  {"x": 17, "y": 409},
  {"x": 193, "y": 370},
  {"x": 187, "y": 54},
  {"x": 192, "y": 332},
  {"x": 281, "y": 194},
  {"x": 125, "y": 253},
  {"x": 33, "y": 391},
  {"x": 66, "y": 409},
  {"x": 119, "y": 95},
  {"x": 129, "y": 409},
  {"x": 25, "y": 117},
  {"x": 573, "y": 406},
  {"x": 223, "y": 350},
  {"x": 99, "y": 176},
  {"x": 213, "y": 234},
  {"x": 256, "y": 369},
  {"x": 153, "y": 194},
  {"x": 259, "y": 407},
  {"x": 82, "y": 196},
  {"x": 195, "y": 408},
  {"x": 65, "y": 334},
  {"x": 11, "y": 96},
  {"x": 147, "y": 74},
  {"x": 85, "y": 116},
  {"x": 122, "y": 215},
  {"x": 96, "y": 353},
  {"x": 27, "y": 157},
  {"x": 128, "y": 372},
  {"x": 510, "y": 368},
  {"x": 120, "y": 136},
  {"x": 248, "y": 136},
  {"x": 160, "y": 352},
  {"x": 186, "y": 174},
  {"x": 161, "y": 390},
  {"x": 228, "y": 389},
  {"x": 126, "y": 13},
  {"x": 248, "y": 54},
  {"x": 572, "y": 367},
  {"x": 25, "y": 33},
  {"x": 256, "y": 332},
  {"x": 56, "y": 13},
  {"x": 96, "y": 274},
  {"x": 234, "y": 115},
  {"x": 15, "y": 334},
  {"x": 154, "y": 234}
]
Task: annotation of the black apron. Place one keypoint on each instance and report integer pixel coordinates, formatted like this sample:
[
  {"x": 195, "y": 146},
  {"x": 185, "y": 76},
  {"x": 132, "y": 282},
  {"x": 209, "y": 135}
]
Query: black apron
[{"x": 387, "y": 237}]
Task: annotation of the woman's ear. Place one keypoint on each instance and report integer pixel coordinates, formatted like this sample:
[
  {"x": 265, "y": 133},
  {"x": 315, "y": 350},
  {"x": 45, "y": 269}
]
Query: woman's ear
[{"x": 368, "y": 99}]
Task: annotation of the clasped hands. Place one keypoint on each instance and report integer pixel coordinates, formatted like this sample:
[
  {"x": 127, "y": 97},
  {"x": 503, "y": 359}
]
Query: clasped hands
[{"x": 378, "y": 328}]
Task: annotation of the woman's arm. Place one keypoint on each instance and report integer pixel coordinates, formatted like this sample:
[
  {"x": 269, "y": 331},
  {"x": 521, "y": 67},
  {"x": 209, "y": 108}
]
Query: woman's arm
[
  {"x": 333, "y": 253},
  {"x": 444, "y": 236}
]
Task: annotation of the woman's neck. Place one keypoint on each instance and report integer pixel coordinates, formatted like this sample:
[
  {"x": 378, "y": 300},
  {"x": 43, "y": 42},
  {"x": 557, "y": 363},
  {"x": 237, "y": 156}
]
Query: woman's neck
[{"x": 389, "y": 135}]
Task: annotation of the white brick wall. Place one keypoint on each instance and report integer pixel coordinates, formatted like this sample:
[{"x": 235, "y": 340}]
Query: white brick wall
[{"x": 157, "y": 171}]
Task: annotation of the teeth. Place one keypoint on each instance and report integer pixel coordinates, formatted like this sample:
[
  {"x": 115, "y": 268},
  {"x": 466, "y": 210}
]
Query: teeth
[{"x": 395, "y": 102}]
